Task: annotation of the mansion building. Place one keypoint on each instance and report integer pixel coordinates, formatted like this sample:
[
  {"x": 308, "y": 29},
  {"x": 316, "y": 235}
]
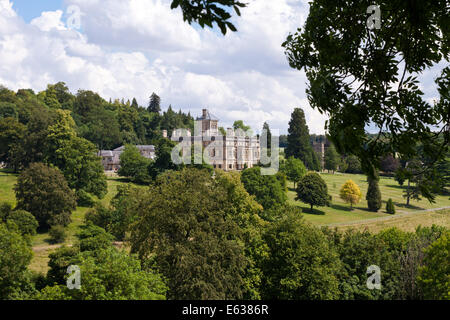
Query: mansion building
[
  {"x": 111, "y": 158},
  {"x": 233, "y": 151}
]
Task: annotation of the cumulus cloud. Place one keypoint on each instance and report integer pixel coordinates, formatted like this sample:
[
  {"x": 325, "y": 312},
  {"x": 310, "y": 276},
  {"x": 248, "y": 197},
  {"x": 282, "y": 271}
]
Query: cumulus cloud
[{"x": 132, "y": 48}]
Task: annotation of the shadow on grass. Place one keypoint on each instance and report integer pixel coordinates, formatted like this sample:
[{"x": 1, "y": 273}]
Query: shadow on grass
[
  {"x": 341, "y": 207},
  {"x": 403, "y": 205},
  {"x": 396, "y": 186},
  {"x": 316, "y": 212}
]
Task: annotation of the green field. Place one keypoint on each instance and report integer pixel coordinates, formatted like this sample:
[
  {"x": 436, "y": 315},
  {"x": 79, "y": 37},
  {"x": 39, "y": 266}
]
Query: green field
[
  {"x": 339, "y": 211},
  {"x": 337, "y": 215}
]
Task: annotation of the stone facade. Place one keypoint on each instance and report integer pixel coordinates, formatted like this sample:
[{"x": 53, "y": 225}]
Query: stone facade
[
  {"x": 234, "y": 151},
  {"x": 111, "y": 158}
]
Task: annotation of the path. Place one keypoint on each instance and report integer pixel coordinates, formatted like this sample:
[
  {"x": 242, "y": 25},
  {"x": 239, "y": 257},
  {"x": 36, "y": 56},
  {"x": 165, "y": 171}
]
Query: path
[{"x": 394, "y": 216}]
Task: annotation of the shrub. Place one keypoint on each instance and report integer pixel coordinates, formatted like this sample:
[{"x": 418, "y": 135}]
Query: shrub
[
  {"x": 25, "y": 221},
  {"x": 390, "y": 208},
  {"x": 84, "y": 199},
  {"x": 57, "y": 234},
  {"x": 373, "y": 195}
]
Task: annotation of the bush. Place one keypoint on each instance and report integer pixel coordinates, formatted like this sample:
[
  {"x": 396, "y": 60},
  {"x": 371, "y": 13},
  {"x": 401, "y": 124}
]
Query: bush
[
  {"x": 5, "y": 210},
  {"x": 25, "y": 221},
  {"x": 57, "y": 234},
  {"x": 84, "y": 199},
  {"x": 390, "y": 208},
  {"x": 373, "y": 196}
]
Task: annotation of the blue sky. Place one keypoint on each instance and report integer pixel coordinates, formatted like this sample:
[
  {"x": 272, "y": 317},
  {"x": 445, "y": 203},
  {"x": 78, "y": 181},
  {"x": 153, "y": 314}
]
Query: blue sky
[{"x": 30, "y": 9}]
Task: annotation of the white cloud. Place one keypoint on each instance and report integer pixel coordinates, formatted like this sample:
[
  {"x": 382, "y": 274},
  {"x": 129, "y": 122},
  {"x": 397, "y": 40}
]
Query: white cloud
[
  {"x": 132, "y": 48},
  {"x": 49, "y": 20}
]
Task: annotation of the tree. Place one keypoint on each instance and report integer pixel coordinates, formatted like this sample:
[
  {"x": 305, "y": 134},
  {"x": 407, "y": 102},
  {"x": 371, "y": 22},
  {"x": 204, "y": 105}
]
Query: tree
[
  {"x": 11, "y": 132},
  {"x": 418, "y": 183},
  {"x": 182, "y": 221},
  {"x": 267, "y": 190},
  {"x": 332, "y": 159},
  {"x": 134, "y": 165},
  {"x": 433, "y": 277},
  {"x": 390, "y": 208},
  {"x": 15, "y": 256},
  {"x": 353, "y": 164},
  {"x": 25, "y": 222},
  {"x": 389, "y": 164},
  {"x": 299, "y": 145},
  {"x": 373, "y": 195},
  {"x": 74, "y": 156},
  {"x": 239, "y": 124},
  {"x": 155, "y": 103},
  {"x": 357, "y": 251},
  {"x": 108, "y": 274},
  {"x": 350, "y": 193},
  {"x": 44, "y": 193},
  {"x": 336, "y": 49},
  {"x": 313, "y": 190},
  {"x": 294, "y": 169},
  {"x": 209, "y": 11},
  {"x": 300, "y": 264}
]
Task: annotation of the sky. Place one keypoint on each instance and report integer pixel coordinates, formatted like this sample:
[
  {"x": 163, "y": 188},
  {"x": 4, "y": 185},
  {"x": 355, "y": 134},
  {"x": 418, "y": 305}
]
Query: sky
[{"x": 125, "y": 49}]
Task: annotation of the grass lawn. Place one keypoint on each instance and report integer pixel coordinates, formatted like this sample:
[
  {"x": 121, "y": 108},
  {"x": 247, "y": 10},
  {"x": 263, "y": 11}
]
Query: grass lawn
[{"x": 340, "y": 212}]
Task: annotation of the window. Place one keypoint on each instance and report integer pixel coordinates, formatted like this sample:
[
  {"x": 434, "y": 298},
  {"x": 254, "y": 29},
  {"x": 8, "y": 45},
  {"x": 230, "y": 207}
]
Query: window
[{"x": 231, "y": 166}]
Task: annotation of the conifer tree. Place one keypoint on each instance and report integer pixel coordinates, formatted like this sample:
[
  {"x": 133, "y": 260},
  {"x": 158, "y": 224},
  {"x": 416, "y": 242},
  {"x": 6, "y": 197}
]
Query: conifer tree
[
  {"x": 155, "y": 103},
  {"x": 298, "y": 144}
]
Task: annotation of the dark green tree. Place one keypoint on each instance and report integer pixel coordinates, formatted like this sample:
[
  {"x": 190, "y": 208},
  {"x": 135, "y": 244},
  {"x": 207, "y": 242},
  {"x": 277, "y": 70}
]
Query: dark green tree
[
  {"x": 182, "y": 221},
  {"x": 390, "y": 208},
  {"x": 44, "y": 193},
  {"x": 373, "y": 195},
  {"x": 298, "y": 143},
  {"x": 267, "y": 190},
  {"x": 154, "y": 104},
  {"x": 133, "y": 165},
  {"x": 25, "y": 221},
  {"x": 300, "y": 264},
  {"x": 15, "y": 256},
  {"x": 313, "y": 190}
]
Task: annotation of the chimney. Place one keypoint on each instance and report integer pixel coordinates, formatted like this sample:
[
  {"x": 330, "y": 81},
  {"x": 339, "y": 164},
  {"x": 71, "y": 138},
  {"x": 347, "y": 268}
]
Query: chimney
[
  {"x": 205, "y": 111},
  {"x": 164, "y": 132}
]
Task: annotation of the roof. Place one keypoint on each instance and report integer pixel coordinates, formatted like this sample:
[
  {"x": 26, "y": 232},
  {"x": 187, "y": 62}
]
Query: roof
[
  {"x": 208, "y": 116},
  {"x": 106, "y": 153},
  {"x": 140, "y": 147}
]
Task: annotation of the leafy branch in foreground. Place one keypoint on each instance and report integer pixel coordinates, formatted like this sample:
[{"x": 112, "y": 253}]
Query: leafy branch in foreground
[
  {"x": 369, "y": 78},
  {"x": 206, "y": 12}
]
